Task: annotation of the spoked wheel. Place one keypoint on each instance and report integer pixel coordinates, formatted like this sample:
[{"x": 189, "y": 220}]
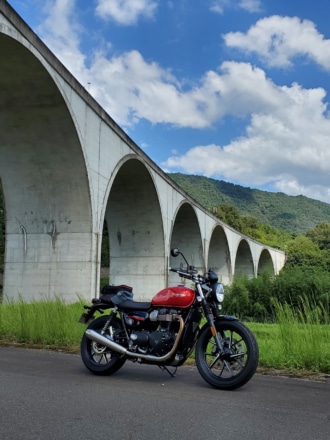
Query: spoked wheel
[
  {"x": 237, "y": 364},
  {"x": 98, "y": 358}
]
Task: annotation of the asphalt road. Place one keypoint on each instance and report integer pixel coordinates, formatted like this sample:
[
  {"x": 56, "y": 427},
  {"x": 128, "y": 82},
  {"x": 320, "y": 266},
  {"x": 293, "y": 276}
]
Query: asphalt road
[{"x": 50, "y": 395}]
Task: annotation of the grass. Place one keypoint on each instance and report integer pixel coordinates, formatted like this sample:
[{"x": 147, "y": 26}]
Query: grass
[
  {"x": 299, "y": 341},
  {"x": 50, "y": 323}
]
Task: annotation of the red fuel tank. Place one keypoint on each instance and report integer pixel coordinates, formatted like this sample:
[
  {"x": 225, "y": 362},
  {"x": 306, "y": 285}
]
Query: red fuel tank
[{"x": 178, "y": 296}]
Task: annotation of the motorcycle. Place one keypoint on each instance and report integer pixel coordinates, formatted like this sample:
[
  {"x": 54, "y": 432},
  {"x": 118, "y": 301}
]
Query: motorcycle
[{"x": 166, "y": 331}]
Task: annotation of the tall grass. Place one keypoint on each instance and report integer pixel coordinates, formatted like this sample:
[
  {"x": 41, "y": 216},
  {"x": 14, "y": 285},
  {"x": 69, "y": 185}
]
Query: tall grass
[
  {"x": 298, "y": 340},
  {"x": 51, "y": 322},
  {"x": 304, "y": 335}
]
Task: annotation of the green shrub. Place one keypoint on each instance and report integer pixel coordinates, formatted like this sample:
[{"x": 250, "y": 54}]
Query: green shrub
[{"x": 253, "y": 299}]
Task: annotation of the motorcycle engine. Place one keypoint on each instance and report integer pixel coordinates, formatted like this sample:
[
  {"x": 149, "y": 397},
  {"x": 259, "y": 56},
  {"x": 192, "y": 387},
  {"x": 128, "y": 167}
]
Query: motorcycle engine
[{"x": 156, "y": 335}]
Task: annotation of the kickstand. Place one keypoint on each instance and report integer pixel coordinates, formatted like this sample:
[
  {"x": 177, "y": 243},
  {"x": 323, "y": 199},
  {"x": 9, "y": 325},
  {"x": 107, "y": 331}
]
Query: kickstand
[{"x": 164, "y": 368}]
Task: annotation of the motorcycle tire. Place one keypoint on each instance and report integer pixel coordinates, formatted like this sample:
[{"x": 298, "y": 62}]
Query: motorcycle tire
[
  {"x": 236, "y": 366},
  {"x": 98, "y": 358}
]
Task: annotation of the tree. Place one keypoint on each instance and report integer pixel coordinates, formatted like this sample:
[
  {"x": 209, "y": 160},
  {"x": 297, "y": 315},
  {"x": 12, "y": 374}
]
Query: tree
[
  {"x": 229, "y": 215},
  {"x": 320, "y": 235},
  {"x": 303, "y": 252}
]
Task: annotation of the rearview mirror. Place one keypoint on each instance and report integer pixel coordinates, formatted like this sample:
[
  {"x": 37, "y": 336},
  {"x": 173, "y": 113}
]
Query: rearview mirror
[{"x": 175, "y": 252}]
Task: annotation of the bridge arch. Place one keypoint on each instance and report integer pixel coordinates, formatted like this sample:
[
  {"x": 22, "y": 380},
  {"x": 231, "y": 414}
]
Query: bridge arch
[
  {"x": 265, "y": 263},
  {"x": 244, "y": 260},
  {"x": 44, "y": 180},
  {"x": 135, "y": 228},
  {"x": 186, "y": 236},
  {"x": 219, "y": 254}
]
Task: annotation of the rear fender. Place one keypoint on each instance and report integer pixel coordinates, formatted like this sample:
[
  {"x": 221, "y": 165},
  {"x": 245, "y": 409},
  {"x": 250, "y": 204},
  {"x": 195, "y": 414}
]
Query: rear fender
[{"x": 98, "y": 306}]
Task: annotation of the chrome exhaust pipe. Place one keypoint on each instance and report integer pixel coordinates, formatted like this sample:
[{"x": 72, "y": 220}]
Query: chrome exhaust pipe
[
  {"x": 103, "y": 340},
  {"x": 97, "y": 337}
]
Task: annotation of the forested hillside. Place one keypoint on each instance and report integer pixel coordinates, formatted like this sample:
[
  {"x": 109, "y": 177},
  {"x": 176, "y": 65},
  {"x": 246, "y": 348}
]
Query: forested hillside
[{"x": 295, "y": 214}]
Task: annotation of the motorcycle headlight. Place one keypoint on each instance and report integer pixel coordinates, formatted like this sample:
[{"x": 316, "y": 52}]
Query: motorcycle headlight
[{"x": 219, "y": 292}]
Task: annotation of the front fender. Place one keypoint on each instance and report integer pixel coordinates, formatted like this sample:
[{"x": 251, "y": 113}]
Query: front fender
[{"x": 221, "y": 318}]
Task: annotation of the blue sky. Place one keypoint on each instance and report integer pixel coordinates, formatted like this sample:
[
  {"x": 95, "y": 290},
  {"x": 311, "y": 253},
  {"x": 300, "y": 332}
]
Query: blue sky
[{"x": 236, "y": 90}]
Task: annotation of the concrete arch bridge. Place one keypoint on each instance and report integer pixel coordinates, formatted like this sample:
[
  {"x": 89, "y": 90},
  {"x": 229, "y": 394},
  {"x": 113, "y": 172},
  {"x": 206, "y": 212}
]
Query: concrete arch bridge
[{"x": 66, "y": 167}]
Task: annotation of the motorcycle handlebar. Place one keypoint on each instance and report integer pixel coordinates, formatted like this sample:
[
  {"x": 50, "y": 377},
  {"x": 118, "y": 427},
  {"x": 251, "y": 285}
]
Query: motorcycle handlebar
[
  {"x": 178, "y": 271},
  {"x": 182, "y": 273},
  {"x": 186, "y": 273}
]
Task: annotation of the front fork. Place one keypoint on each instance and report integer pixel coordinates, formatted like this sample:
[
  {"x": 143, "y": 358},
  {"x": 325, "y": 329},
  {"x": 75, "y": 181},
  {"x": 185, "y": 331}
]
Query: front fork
[{"x": 210, "y": 319}]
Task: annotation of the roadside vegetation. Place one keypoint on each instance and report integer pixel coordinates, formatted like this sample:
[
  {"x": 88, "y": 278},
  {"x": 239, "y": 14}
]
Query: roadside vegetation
[
  {"x": 306, "y": 274},
  {"x": 50, "y": 323},
  {"x": 298, "y": 339}
]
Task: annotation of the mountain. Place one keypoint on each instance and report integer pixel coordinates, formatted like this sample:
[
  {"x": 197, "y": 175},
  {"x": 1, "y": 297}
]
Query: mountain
[{"x": 295, "y": 214}]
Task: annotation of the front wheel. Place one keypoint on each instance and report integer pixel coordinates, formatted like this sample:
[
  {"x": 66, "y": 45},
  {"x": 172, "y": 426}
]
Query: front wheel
[
  {"x": 97, "y": 358},
  {"x": 237, "y": 364}
]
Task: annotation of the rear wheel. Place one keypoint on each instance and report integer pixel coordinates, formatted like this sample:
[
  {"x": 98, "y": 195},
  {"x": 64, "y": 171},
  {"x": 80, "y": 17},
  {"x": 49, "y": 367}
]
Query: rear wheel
[
  {"x": 98, "y": 358},
  {"x": 237, "y": 364}
]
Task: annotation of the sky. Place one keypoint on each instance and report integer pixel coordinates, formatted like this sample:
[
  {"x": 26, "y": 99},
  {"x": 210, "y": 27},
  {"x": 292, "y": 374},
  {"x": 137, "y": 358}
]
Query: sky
[{"x": 235, "y": 90}]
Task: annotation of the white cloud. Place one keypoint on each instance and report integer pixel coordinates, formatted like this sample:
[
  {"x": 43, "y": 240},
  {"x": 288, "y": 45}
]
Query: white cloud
[
  {"x": 219, "y": 6},
  {"x": 60, "y": 31},
  {"x": 132, "y": 89},
  {"x": 60, "y": 22},
  {"x": 277, "y": 40},
  {"x": 250, "y": 5},
  {"x": 126, "y": 12}
]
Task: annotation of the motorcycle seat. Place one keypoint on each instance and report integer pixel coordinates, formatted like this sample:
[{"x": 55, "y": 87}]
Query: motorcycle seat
[{"x": 134, "y": 305}]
